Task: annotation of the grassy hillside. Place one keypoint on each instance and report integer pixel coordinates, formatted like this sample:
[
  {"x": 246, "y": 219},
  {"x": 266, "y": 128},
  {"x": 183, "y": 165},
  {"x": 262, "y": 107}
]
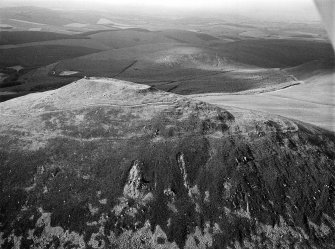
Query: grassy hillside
[
  {"x": 276, "y": 53},
  {"x": 174, "y": 67},
  {"x": 18, "y": 37},
  {"x": 40, "y": 55},
  {"x": 179, "y": 61},
  {"x": 229, "y": 82},
  {"x": 104, "y": 162},
  {"x": 113, "y": 61},
  {"x": 129, "y": 38},
  {"x": 312, "y": 68},
  {"x": 77, "y": 42},
  {"x": 189, "y": 37},
  {"x": 35, "y": 15}
]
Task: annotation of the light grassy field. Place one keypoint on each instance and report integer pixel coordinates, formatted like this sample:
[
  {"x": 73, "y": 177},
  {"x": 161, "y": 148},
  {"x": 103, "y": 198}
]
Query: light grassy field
[{"x": 312, "y": 102}]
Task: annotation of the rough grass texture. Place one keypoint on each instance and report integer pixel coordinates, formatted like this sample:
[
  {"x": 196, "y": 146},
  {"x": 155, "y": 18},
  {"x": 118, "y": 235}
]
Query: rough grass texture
[
  {"x": 40, "y": 55},
  {"x": 206, "y": 178},
  {"x": 19, "y": 37}
]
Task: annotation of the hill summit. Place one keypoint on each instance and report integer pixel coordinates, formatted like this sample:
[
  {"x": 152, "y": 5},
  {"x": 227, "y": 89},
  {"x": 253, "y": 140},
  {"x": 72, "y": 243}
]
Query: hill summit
[{"x": 104, "y": 163}]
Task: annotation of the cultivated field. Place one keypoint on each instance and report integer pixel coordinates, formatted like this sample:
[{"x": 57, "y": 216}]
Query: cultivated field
[{"x": 312, "y": 102}]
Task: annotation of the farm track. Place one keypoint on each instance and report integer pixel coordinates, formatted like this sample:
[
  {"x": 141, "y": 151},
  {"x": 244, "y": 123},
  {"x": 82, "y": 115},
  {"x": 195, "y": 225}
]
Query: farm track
[
  {"x": 167, "y": 104},
  {"x": 189, "y": 79},
  {"x": 301, "y": 100},
  {"x": 125, "y": 69},
  {"x": 288, "y": 129}
]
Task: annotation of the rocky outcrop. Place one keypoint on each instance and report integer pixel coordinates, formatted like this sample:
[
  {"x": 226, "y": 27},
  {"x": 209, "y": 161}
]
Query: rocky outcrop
[
  {"x": 182, "y": 167},
  {"x": 135, "y": 187}
]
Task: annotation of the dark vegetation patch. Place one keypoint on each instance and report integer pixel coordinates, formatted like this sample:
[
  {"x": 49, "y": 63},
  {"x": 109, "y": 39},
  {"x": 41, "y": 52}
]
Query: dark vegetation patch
[
  {"x": 324, "y": 143},
  {"x": 161, "y": 170},
  {"x": 36, "y": 14},
  {"x": 175, "y": 39},
  {"x": 13, "y": 77},
  {"x": 138, "y": 29},
  {"x": 206, "y": 37},
  {"x": 5, "y": 97},
  {"x": 55, "y": 85},
  {"x": 18, "y": 37},
  {"x": 239, "y": 25},
  {"x": 260, "y": 175},
  {"x": 69, "y": 192},
  {"x": 93, "y": 68},
  {"x": 138, "y": 73},
  {"x": 228, "y": 82},
  {"x": 67, "y": 200},
  {"x": 19, "y": 88},
  {"x": 98, "y": 122},
  {"x": 303, "y": 35},
  {"x": 40, "y": 55},
  {"x": 17, "y": 171},
  {"x": 160, "y": 240},
  {"x": 8, "y": 83},
  {"x": 93, "y": 32},
  {"x": 190, "y": 37},
  {"x": 274, "y": 125},
  {"x": 176, "y": 79},
  {"x": 263, "y": 53},
  {"x": 276, "y": 53},
  {"x": 171, "y": 124},
  {"x": 259, "y": 178},
  {"x": 6, "y": 28},
  {"x": 311, "y": 68}
]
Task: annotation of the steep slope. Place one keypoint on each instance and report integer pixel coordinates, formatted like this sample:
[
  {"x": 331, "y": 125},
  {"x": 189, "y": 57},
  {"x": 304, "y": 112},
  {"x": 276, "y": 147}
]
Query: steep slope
[
  {"x": 103, "y": 163},
  {"x": 274, "y": 53}
]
